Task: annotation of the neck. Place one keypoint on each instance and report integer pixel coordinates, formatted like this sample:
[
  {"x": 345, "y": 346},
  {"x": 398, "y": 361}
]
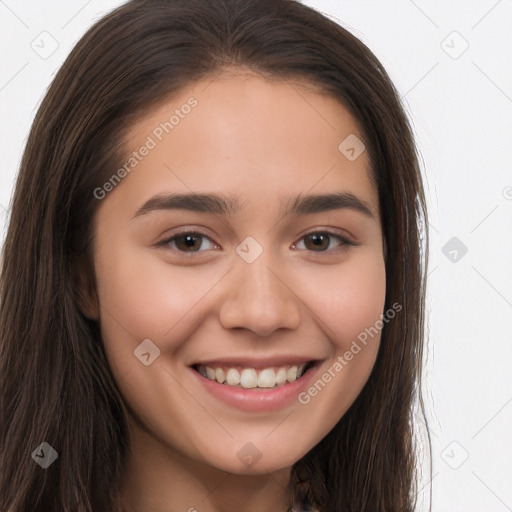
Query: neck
[{"x": 156, "y": 477}]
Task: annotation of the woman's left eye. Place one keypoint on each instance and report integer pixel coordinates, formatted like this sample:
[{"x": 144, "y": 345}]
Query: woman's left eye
[{"x": 320, "y": 241}]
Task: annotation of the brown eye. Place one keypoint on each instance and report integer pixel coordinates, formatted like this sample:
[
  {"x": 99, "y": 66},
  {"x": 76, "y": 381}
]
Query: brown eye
[
  {"x": 188, "y": 242},
  {"x": 317, "y": 241},
  {"x": 321, "y": 241}
]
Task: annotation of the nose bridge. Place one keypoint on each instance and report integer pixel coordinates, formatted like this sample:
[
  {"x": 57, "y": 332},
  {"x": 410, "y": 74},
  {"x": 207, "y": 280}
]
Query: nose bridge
[
  {"x": 259, "y": 277},
  {"x": 258, "y": 297}
]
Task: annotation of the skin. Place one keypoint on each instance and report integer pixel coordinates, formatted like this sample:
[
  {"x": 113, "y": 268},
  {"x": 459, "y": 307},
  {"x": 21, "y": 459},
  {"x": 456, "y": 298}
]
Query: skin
[{"x": 263, "y": 141}]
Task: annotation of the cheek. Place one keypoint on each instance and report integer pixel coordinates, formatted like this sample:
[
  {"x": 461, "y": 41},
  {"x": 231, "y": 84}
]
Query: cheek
[
  {"x": 146, "y": 298},
  {"x": 348, "y": 305},
  {"x": 349, "y": 299}
]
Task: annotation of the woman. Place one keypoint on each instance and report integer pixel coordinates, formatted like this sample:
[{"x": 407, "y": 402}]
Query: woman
[{"x": 214, "y": 299}]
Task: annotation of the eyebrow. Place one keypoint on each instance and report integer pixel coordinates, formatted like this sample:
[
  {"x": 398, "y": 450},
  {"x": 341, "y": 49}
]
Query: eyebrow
[{"x": 228, "y": 205}]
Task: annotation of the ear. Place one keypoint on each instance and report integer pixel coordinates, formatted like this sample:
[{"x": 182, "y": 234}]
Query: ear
[{"x": 85, "y": 289}]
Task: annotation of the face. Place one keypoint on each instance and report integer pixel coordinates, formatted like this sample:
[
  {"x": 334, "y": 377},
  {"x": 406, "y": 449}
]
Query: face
[{"x": 229, "y": 297}]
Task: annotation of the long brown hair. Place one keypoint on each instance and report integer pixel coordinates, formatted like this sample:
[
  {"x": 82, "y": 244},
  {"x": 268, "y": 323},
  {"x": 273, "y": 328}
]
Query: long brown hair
[{"x": 56, "y": 385}]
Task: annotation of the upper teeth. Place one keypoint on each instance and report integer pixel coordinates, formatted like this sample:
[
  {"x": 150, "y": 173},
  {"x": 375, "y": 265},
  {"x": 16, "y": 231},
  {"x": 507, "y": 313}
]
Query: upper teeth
[{"x": 251, "y": 378}]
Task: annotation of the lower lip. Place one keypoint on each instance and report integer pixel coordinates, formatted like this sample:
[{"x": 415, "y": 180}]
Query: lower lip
[{"x": 258, "y": 400}]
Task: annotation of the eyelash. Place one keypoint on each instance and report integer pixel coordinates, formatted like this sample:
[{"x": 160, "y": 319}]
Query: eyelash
[{"x": 345, "y": 242}]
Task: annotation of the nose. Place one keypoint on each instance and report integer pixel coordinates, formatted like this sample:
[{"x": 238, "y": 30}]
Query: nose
[{"x": 259, "y": 298}]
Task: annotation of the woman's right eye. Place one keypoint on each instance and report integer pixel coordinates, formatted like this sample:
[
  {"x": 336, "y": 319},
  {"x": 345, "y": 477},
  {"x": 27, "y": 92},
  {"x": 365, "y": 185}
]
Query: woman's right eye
[{"x": 188, "y": 242}]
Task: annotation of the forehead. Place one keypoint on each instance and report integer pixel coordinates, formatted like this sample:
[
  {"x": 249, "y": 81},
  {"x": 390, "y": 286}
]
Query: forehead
[{"x": 253, "y": 137}]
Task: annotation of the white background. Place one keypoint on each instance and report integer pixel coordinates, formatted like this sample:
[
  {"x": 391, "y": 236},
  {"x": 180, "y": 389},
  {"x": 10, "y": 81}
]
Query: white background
[{"x": 460, "y": 104}]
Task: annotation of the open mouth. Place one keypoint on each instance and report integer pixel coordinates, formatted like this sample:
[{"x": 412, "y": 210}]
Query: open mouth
[{"x": 252, "y": 378}]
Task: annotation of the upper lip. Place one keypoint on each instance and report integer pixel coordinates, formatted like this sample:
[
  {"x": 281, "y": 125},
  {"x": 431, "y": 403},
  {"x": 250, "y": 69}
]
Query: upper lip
[{"x": 256, "y": 363}]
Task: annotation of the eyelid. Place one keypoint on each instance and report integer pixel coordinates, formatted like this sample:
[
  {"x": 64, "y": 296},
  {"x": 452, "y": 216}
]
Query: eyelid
[
  {"x": 163, "y": 242},
  {"x": 346, "y": 241}
]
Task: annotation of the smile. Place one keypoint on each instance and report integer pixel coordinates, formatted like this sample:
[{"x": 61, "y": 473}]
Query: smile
[
  {"x": 256, "y": 385},
  {"x": 251, "y": 378}
]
